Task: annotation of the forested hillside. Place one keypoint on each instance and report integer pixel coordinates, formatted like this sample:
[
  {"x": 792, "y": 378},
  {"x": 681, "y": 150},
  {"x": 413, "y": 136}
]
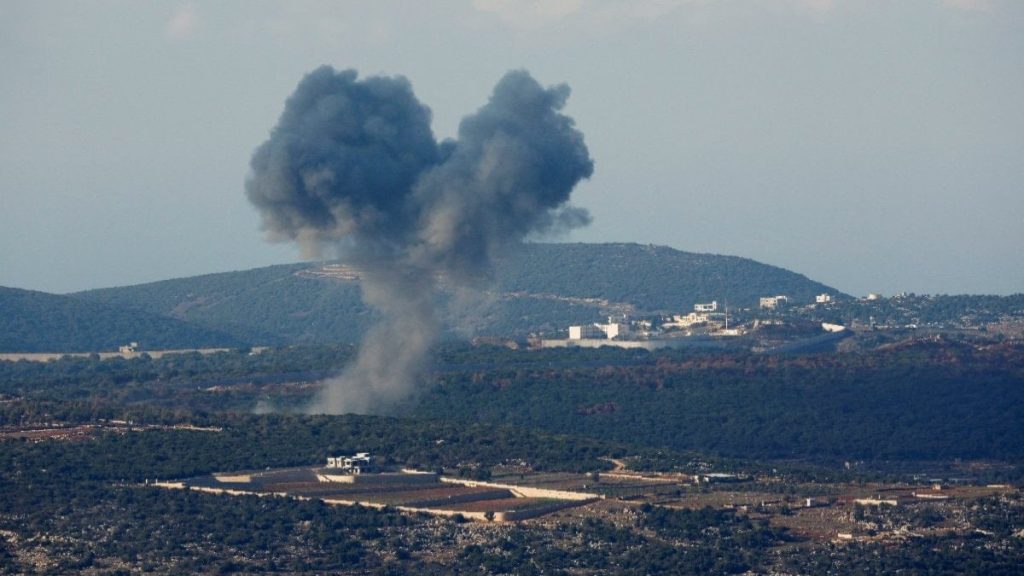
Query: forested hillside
[
  {"x": 649, "y": 277},
  {"x": 919, "y": 401},
  {"x": 39, "y": 322},
  {"x": 542, "y": 287},
  {"x": 272, "y": 305}
]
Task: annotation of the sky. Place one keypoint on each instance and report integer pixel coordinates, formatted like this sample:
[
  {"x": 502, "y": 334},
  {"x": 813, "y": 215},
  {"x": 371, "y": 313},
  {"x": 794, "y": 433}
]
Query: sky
[{"x": 874, "y": 146}]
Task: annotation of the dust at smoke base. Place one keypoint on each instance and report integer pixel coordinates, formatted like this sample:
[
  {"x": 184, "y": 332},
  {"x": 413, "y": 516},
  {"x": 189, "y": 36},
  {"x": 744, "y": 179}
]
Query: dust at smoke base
[{"x": 353, "y": 166}]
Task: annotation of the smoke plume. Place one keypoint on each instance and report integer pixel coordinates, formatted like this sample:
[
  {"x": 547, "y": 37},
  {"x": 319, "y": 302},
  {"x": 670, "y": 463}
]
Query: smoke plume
[{"x": 354, "y": 166}]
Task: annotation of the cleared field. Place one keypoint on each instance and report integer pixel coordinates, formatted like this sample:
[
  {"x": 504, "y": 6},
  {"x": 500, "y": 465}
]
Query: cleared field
[
  {"x": 548, "y": 480},
  {"x": 317, "y": 489},
  {"x": 439, "y": 497},
  {"x": 414, "y": 495},
  {"x": 430, "y": 495},
  {"x": 500, "y": 505},
  {"x": 71, "y": 433},
  {"x": 86, "y": 431}
]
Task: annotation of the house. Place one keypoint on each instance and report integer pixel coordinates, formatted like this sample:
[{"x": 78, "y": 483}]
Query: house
[
  {"x": 773, "y": 302},
  {"x": 129, "y": 349},
  {"x": 358, "y": 464},
  {"x": 610, "y": 331}
]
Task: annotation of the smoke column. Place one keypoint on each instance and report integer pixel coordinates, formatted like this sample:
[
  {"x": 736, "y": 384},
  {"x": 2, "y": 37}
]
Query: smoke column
[{"x": 353, "y": 166}]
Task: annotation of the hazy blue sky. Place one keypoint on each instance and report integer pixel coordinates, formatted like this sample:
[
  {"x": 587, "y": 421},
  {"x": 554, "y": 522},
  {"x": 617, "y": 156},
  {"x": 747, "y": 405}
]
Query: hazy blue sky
[{"x": 871, "y": 145}]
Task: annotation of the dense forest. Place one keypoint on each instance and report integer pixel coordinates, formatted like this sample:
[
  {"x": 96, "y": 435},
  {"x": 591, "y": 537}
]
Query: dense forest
[
  {"x": 247, "y": 442},
  {"x": 928, "y": 400},
  {"x": 918, "y": 401}
]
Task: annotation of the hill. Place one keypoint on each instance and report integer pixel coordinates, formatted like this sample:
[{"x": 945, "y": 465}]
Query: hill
[
  {"x": 275, "y": 305},
  {"x": 40, "y": 322},
  {"x": 542, "y": 287},
  {"x": 650, "y": 278}
]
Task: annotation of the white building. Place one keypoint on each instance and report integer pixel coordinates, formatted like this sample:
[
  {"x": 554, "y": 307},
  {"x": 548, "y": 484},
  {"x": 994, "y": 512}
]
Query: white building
[
  {"x": 709, "y": 307},
  {"x": 773, "y": 302},
  {"x": 584, "y": 332},
  {"x": 681, "y": 321},
  {"x": 608, "y": 331},
  {"x": 614, "y": 330},
  {"x": 361, "y": 462},
  {"x": 878, "y": 501},
  {"x": 823, "y": 298}
]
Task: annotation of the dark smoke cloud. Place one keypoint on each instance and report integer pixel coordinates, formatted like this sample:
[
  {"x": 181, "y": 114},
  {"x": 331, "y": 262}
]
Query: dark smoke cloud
[
  {"x": 342, "y": 161},
  {"x": 353, "y": 164}
]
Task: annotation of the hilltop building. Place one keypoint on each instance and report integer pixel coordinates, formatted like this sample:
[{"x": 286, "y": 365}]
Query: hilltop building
[
  {"x": 709, "y": 307},
  {"x": 652, "y": 333},
  {"x": 773, "y": 302},
  {"x": 609, "y": 331},
  {"x": 586, "y": 332},
  {"x": 693, "y": 319}
]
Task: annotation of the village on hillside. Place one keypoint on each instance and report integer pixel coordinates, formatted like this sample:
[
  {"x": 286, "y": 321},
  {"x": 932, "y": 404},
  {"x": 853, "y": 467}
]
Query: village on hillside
[{"x": 781, "y": 323}]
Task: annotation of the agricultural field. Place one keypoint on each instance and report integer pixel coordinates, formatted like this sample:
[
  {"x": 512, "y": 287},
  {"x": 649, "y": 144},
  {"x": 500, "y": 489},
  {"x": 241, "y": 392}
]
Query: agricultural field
[
  {"x": 815, "y": 511},
  {"x": 421, "y": 492}
]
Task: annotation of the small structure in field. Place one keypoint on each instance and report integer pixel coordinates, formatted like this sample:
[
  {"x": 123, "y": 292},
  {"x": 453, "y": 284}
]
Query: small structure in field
[{"x": 358, "y": 464}]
